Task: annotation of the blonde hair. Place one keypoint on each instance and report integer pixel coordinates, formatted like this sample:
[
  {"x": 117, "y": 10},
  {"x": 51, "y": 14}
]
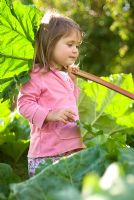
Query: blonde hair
[{"x": 53, "y": 26}]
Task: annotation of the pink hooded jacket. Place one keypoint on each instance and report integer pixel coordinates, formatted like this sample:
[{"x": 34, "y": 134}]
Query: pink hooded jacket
[{"x": 45, "y": 92}]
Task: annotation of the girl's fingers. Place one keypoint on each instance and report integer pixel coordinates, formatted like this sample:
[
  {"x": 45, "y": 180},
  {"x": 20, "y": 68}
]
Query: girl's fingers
[
  {"x": 65, "y": 117},
  {"x": 70, "y": 117},
  {"x": 63, "y": 120},
  {"x": 68, "y": 111},
  {"x": 75, "y": 69},
  {"x": 71, "y": 120}
]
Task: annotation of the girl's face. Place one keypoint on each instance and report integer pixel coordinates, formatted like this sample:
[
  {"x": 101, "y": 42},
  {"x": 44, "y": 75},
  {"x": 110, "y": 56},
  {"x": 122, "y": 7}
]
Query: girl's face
[{"x": 66, "y": 50}]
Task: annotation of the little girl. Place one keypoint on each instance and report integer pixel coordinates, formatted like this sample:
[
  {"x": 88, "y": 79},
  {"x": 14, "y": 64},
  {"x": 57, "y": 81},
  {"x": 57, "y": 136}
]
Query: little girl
[{"x": 49, "y": 99}]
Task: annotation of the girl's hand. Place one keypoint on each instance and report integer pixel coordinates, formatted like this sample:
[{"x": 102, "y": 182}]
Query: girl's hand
[
  {"x": 72, "y": 69},
  {"x": 63, "y": 115}
]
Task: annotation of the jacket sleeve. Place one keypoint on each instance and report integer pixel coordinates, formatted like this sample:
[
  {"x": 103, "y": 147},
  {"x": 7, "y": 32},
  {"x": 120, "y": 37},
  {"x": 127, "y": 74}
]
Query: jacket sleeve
[{"x": 27, "y": 103}]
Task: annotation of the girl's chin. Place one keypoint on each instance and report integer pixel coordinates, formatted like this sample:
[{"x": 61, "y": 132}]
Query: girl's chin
[
  {"x": 65, "y": 65},
  {"x": 71, "y": 63}
]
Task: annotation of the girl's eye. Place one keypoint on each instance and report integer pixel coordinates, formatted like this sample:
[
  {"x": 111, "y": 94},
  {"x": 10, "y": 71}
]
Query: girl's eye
[
  {"x": 77, "y": 46},
  {"x": 70, "y": 45}
]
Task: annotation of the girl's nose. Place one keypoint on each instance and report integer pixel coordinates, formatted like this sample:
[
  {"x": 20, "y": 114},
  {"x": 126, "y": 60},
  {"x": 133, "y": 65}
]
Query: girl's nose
[{"x": 75, "y": 49}]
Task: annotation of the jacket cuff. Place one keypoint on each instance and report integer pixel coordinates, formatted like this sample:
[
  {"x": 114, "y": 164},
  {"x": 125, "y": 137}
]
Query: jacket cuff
[{"x": 39, "y": 116}]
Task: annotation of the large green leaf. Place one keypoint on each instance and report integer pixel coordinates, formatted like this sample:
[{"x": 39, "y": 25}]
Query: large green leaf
[
  {"x": 105, "y": 109},
  {"x": 14, "y": 39},
  {"x": 55, "y": 178},
  {"x": 14, "y": 134},
  {"x": 126, "y": 158},
  {"x": 18, "y": 25},
  {"x": 68, "y": 193},
  {"x": 14, "y": 148},
  {"x": 17, "y": 31},
  {"x": 4, "y": 116},
  {"x": 6, "y": 177}
]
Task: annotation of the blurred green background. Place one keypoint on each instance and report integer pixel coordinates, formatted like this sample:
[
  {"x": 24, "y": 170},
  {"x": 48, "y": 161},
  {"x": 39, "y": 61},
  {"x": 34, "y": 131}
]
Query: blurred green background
[
  {"x": 108, "y": 26},
  {"x": 107, "y": 49}
]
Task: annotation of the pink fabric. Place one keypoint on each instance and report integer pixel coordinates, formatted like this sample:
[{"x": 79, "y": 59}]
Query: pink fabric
[{"x": 45, "y": 92}]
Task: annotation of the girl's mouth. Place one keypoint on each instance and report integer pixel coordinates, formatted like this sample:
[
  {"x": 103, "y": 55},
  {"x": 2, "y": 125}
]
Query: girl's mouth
[{"x": 72, "y": 58}]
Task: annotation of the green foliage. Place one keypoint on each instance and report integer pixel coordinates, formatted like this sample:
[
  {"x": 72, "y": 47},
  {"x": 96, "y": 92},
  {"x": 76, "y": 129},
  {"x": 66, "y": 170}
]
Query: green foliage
[
  {"x": 18, "y": 26},
  {"x": 108, "y": 25},
  {"x": 66, "y": 173},
  {"x": 14, "y": 133},
  {"x": 126, "y": 158},
  {"x": 105, "y": 109},
  {"x": 107, "y": 45},
  {"x": 95, "y": 103},
  {"x": 6, "y": 177},
  {"x": 112, "y": 185},
  {"x": 106, "y": 118}
]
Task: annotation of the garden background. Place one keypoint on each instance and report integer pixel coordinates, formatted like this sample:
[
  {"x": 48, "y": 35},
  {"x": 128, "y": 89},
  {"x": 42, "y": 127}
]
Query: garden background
[{"x": 105, "y": 169}]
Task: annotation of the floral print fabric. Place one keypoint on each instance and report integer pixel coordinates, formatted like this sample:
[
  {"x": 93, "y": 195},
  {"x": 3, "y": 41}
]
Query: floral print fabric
[{"x": 33, "y": 163}]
